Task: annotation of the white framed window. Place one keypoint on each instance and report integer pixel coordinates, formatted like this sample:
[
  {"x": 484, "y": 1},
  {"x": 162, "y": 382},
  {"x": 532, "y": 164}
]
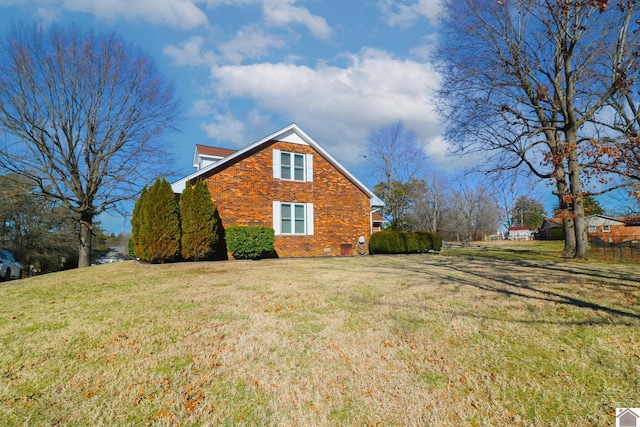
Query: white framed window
[
  {"x": 292, "y": 166},
  {"x": 606, "y": 228},
  {"x": 292, "y": 218},
  {"x": 592, "y": 229}
]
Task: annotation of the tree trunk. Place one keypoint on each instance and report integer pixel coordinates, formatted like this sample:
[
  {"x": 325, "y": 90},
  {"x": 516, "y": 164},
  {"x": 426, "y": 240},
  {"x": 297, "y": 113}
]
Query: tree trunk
[
  {"x": 84, "y": 250},
  {"x": 562, "y": 190},
  {"x": 569, "y": 237},
  {"x": 582, "y": 242}
]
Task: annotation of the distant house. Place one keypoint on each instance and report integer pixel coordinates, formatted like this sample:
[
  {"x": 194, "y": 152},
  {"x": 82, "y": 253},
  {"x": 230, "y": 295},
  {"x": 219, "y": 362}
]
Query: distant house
[
  {"x": 377, "y": 221},
  {"x": 287, "y": 181},
  {"x": 613, "y": 230},
  {"x": 551, "y": 229},
  {"x": 519, "y": 232}
]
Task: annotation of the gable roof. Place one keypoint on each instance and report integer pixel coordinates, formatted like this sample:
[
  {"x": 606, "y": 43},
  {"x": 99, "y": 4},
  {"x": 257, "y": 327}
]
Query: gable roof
[
  {"x": 207, "y": 150},
  {"x": 292, "y": 133},
  {"x": 210, "y": 153},
  {"x": 551, "y": 223},
  {"x": 631, "y": 220},
  {"x": 377, "y": 217}
]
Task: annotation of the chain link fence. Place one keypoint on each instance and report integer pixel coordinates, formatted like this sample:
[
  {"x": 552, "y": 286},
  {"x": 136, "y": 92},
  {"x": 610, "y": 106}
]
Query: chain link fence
[{"x": 625, "y": 248}]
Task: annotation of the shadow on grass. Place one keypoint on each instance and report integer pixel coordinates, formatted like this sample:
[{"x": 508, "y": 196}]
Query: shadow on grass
[{"x": 515, "y": 278}]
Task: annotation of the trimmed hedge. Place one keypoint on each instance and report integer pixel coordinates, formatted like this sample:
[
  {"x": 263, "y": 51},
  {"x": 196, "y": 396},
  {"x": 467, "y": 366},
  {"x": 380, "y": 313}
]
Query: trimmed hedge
[
  {"x": 404, "y": 242},
  {"x": 250, "y": 242}
]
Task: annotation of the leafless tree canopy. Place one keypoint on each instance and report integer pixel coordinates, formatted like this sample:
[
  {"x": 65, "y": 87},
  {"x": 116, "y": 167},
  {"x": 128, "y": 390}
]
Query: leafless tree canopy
[
  {"x": 526, "y": 80},
  {"x": 395, "y": 157},
  {"x": 82, "y": 115}
]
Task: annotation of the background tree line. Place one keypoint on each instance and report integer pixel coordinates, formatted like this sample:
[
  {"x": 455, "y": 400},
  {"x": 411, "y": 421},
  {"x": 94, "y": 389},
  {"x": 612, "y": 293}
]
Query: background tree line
[
  {"x": 463, "y": 207},
  {"x": 41, "y": 233}
]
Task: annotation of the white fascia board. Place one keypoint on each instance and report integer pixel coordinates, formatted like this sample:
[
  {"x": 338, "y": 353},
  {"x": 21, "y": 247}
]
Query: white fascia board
[
  {"x": 293, "y": 134},
  {"x": 376, "y": 201},
  {"x": 196, "y": 158},
  {"x": 179, "y": 186}
]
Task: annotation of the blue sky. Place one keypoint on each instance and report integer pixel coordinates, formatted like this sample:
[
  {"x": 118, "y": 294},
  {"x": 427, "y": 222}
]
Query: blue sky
[{"x": 246, "y": 68}]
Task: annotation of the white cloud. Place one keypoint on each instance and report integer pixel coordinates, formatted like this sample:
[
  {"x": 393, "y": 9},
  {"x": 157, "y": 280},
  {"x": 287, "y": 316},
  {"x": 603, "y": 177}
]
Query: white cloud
[
  {"x": 281, "y": 13},
  {"x": 404, "y": 13},
  {"x": 175, "y": 13},
  {"x": 190, "y": 52},
  {"x": 424, "y": 50},
  {"x": 225, "y": 127},
  {"x": 338, "y": 106},
  {"x": 201, "y": 107},
  {"x": 250, "y": 42}
]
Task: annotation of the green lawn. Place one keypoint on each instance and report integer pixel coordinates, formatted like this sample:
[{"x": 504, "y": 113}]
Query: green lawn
[{"x": 480, "y": 335}]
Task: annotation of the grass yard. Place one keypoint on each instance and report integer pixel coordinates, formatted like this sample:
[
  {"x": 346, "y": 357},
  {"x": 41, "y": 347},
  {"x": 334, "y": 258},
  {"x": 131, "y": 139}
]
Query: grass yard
[{"x": 481, "y": 335}]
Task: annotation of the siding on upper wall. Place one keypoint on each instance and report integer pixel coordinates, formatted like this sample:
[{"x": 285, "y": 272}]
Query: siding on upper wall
[
  {"x": 244, "y": 192},
  {"x": 617, "y": 233}
]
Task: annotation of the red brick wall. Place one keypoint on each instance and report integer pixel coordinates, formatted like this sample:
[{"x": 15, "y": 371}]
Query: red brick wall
[
  {"x": 618, "y": 233},
  {"x": 244, "y": 192}
]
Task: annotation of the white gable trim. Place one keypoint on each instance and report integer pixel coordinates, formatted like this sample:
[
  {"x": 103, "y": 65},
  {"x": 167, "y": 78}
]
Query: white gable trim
[{"x": 292, "y": 134}]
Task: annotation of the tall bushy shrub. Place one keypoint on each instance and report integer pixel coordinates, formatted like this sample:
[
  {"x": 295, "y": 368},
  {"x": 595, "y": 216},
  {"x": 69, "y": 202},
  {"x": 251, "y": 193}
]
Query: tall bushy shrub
[
  {"x": 403, "y": 242},
  {"x": 250, "y": 242},
  {"x": 158, "y": 224},
  {"x": 199, "y": 222},
  {"x": 136, "y": 223}
]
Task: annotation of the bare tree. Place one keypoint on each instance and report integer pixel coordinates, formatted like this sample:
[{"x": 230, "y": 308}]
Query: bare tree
[
  {"x": 473, "y": 213},
  {"x": 430, "y": 201},
  {"x": 524, "y": 80},
  {"x": 84, "y": 112},
  {"x": 509, "y": 187},
  {"x": 395, "y": 157}
]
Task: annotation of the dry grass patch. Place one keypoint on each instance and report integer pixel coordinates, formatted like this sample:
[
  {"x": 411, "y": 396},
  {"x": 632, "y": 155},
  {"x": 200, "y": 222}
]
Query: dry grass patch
[{"x": 384, "y": 340}]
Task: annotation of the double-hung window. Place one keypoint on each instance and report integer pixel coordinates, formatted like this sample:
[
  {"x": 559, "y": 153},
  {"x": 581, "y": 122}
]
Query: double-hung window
[
  {"x": 292, "y": 218},
  {"x": 292, "y": 166}
]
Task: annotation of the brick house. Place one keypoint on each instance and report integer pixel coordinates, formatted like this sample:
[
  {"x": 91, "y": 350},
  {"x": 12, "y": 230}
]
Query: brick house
[
  {"x": 289, "y": 182},
  {"x": 613, "y": 230}
]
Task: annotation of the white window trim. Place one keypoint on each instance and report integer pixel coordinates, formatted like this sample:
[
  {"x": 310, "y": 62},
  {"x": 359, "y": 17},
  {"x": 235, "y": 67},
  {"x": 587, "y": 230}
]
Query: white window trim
[
  {"x": 307, "y": 167},
  {"x": 606, "y": 228},
  {"x": 308, "y": 218},
  {"x": 308, "y": 161}
]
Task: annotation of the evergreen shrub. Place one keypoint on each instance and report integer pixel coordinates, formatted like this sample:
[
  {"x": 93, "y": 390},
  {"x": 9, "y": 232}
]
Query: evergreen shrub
[
  {"x": 404, "y": 242},
  {"x": 250, "y": 242},
  {"x": 156, "y": 224},
  {"x": 198, "y": 221}
]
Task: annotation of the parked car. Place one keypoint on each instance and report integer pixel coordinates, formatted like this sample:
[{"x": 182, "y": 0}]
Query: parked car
[{"x": 9, "y": 267}]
